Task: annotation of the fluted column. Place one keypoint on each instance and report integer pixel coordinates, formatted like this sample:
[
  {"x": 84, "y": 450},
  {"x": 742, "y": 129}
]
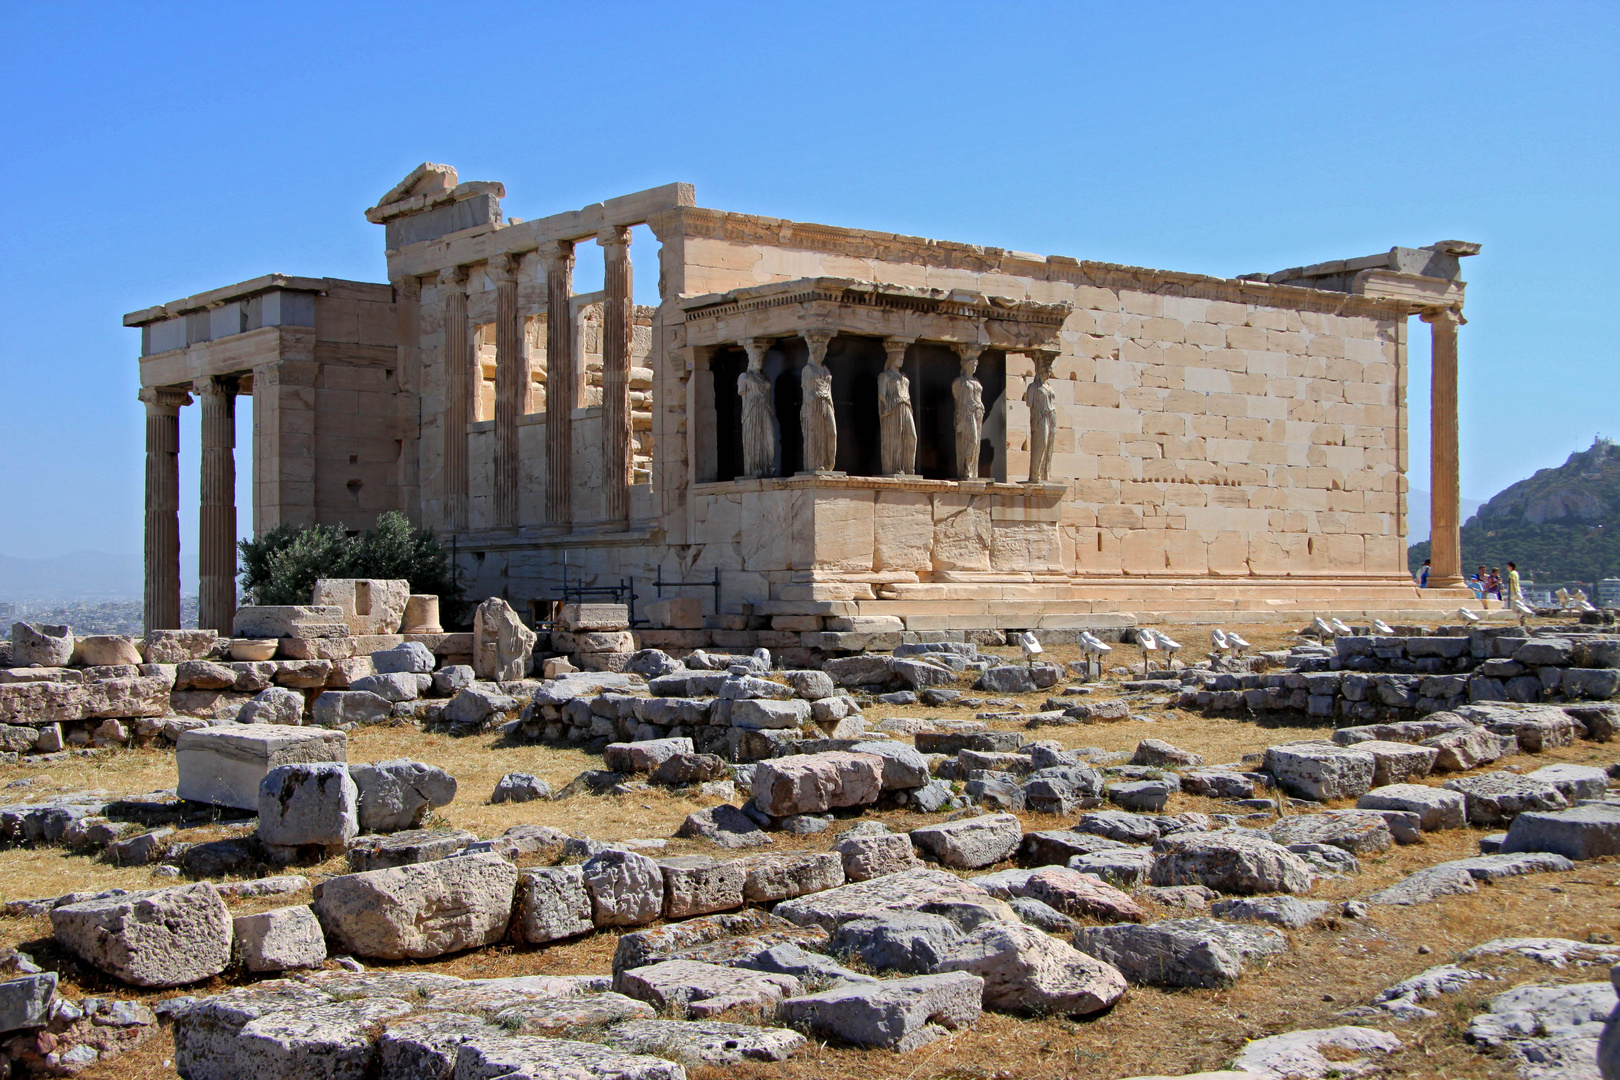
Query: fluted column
[
  {"x": 511, "y": 373},
  {"x": 561, "y": 395},
  {"x": 216, "y": 520},
  {"x": 161, "y": 608},
  {"x": 616, "y": 332},
  {"x": 457, "y": 350},
  {"x": 1445, "y": 540}
]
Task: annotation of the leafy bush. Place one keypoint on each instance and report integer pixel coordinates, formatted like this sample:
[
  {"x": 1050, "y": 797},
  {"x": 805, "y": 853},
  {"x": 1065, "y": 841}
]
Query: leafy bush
[{"x": 281, "y": 566}]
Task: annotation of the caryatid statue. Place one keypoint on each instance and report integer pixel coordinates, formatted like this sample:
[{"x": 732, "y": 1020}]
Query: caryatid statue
[
  {"x": 758, "y": 414},
  {"x": 1042, "y": 400},
  {"x": 816, "y": 408},
  {"x": 969, "y": 395},
  {"x": 898, "y": 424}
]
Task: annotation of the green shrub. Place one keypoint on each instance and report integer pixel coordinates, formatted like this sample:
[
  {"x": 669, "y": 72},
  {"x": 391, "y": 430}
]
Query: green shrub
[{"x": 281, "y": 566}]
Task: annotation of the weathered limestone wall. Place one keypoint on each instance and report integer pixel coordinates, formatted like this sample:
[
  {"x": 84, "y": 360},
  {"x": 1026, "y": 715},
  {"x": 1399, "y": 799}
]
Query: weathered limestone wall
[{"x": 1207, "y": 426}]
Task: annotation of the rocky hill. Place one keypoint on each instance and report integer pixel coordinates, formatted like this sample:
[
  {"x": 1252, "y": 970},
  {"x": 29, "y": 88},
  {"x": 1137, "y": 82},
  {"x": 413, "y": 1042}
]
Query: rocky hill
[{"x": 1562, "y": 524}]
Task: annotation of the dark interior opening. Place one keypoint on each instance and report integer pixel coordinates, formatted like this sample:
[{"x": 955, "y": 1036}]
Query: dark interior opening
[
  {"x": 727, "y": 364},
  {"x": 993, "y": 446},
  {"x": 932, "y": 368},
  {"x": 855, "y": 363}
]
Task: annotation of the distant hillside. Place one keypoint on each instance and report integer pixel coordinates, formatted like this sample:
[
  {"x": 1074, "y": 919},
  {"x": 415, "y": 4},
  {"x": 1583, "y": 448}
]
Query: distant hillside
[
  {"x": 78, "y": 575},
  {"x": 1560, "y": 525},
  {"x": 1417, "y": 513}
]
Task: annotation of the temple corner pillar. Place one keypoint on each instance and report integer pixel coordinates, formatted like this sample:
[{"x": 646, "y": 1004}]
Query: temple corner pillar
[
  {"x": 216, "y": 520},
  {"x": 1445, "y": 540},
  {"x": 161, "y": 594}
]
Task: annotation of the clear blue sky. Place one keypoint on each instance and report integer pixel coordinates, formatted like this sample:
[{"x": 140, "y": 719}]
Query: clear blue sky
[{"x": 152, "y": 152}]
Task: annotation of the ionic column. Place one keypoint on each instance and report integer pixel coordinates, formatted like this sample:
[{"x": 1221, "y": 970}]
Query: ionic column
[
  {"x": 161, "y": 608},
  {"x": 1445, "y": 541},
  {"x": 457, "y": 350},
  {"x": 511, "y": 373},
  {"x": 216, "y": 520},
  {"x": 561, "y": 395},
  {"x": 616, "y": 332}
]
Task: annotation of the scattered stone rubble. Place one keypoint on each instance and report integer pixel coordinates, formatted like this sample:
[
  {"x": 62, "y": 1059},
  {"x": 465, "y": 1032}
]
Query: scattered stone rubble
[{"x": 1063, "y": 933}]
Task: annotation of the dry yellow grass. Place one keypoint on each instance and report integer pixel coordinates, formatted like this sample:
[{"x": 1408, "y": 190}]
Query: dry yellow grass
[{"x": 1328, "y": 969}]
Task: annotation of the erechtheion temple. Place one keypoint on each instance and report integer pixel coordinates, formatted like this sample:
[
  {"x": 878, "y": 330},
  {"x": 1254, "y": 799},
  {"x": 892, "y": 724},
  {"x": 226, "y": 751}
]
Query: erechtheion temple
[{"x": 818, "y": 430}]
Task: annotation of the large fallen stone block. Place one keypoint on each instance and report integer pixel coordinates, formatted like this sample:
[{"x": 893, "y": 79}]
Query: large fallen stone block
[
  {"x": 1229, "y": 861},
  {"x": 165, "y": 937},
  {"x": 1577, "y": 782},
  {"x": 422, "y": 910},
  {"x": 921, "y": 889},
  {"x": 644, "y": 756},
  {"x": 274, "y": 705},
  {"x": 1436, "y": 808},
  {"x": 699, "y": 885},
  {"x": 337, "y": 1040},
  {"x": 279, "y": 939},
  {"x": 1300, "y": 1053},
  {"x": 704, "y": 1042},
  {"x": 971, "y": 843},
  {"x": 25, "y": 1002},
  {"x": 1285, "y": 911},
  {"x": 1126, "y": 828},
  {"x": 366, "y": 605},
  {"x": 398, "y": 794},
  {"x": 553, "y": 903},
  {"x": 1428, "y": 884},
  {"x": 45, "y": 644},
  {"x": 1584, "y": 832},
  {"x": 308, "y": 805},
  {"x": 520, "y": 1057},
  {"x": 1360, "y": 832},
  {"x": 867, "y": 857},
  {"x": 1031, "y": 973},
  {"x": 404, "y": 848},
  {"x": 1398, "y": 762},
  {"x": 725, "y": 826},
  {"x": 104, "y": 650},
  {"x": 1497, "y": 798},
  {"x": 1180, "y": 952},
  {"x": 335, "y": 708},
  {"x": 908, "y": 941},
  {"x": 1459, "y": 751},
  {"x": 815, "y": 783},
  {"x": 173, "y": 646},
  {"x": 411, "y": 657},
  {"x": 740, "y": 934},
  {"x": 626, "y": 889},
  {"x": 223, "y": 765},
  {"x": 769, "y": 878},
  {"x": 701, "y": 990},
  {"x": 899, "y": 1014},
  {"x": 1321, "y": 770}
]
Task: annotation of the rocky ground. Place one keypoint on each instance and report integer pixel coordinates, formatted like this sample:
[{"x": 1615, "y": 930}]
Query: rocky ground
[{"x": 1347, "y": 963}]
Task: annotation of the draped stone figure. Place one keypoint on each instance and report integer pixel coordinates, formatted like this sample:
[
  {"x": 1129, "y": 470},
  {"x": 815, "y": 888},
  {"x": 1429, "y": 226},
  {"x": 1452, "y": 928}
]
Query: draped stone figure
[
  {"x": 1042, "y": 400},
  {"x": 816, "y": 410},
  {"x": 969, "y": 395},
  {"x": 898, "y": 424},
  {"x": 759, "y": 431}
]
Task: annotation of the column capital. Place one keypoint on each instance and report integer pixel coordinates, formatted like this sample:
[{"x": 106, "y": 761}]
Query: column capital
[
  {"x": 1443, "y": 315},
  {"x": 757, "y": 348},
  {"x": 818, "y": 340},
  {"x": 503, "y": 268},
  {"x": 897, "y": 346},
  {"x": 610, "y": 235},
  {"x": 223, "y": 385},
  {"x": 453, "y": 277},
  {"x": 557, "y": 251},
  {"x": 968, "y": 350},
  {"x": 164, "y": 399}
]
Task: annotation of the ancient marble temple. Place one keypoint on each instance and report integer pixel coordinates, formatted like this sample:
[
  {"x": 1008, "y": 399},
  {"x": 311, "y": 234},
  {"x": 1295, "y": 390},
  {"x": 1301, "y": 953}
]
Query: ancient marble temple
[{"x": 818, "y": 431}]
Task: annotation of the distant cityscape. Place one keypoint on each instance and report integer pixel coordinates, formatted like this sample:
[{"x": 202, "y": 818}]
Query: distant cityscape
[{"x": 88, "y": 616}]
